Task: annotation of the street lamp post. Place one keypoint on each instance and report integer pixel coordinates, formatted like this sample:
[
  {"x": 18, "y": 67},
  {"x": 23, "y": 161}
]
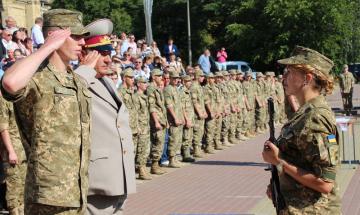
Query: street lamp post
[{"x": 189, "y": 31}]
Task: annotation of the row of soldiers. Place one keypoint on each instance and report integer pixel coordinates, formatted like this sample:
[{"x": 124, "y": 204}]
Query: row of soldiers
[{"x": 199, "y": 112}]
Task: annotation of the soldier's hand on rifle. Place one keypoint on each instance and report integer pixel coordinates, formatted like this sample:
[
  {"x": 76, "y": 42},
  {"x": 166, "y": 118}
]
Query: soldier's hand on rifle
[
  {"x": 268, "y": 192},
  {"x": 271, "y": 153}
]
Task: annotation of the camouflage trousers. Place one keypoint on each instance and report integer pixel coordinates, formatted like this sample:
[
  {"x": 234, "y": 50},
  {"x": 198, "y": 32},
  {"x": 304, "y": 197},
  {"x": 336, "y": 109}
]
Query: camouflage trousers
[
  {"x": 218, "y": 126},
  {"x": 225, "y": 128},
  {"x": 210, "y": 127},
  {"x": 260, "y": 117},
  {"x": 40, "y": 209},
  {"x": 240, "y": 122},
  {"x": 175, "y": 140},
  {"x": 15, "y": 184},
  {"x": 199, "y": 128},
  {"x": 188, "y": 134},
  {"x": 347, "y": 101},
  {"x": 233, "y": 125},
  {"x": 143, "y": 147},
  {"x": 157, "y": 141}
]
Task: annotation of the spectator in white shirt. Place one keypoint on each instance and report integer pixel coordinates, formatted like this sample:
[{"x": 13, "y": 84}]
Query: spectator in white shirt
[
  {"x": 37, "y": 34},
  {"x": 7, "y": 41},
  {"x": 132, "y": 44},
  {"x": 138, "y": 69},
  {"x": 10, "y": 24},
  {"x": 124, "y": 42}
]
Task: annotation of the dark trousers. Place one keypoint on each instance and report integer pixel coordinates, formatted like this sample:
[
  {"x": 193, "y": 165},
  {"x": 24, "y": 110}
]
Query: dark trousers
[{"x": 347, "y": 101}]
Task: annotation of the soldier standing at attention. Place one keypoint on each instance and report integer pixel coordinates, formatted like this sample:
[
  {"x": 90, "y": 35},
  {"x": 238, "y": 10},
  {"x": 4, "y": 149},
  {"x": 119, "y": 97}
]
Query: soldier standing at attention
[
  {"x": 175, "y": 118},
  {"x": 13, "y": 154},
  {"x": 347, "y": 82},
  {"x": 221, "y": 107},
  {"x": 189, "y": 116},
  {"x": 158, "y": 120},
  {"x": 307, "y": 158},
  {"x": 143, "y": 148},
  {"x": 260, "y": 103},
  {"x": 280, "y": 95},
  {"x": 197, "y": 97},
  {"x": 249, "y": 90},
  {"x": 52, "y": 106},
  {"x": 228, "y": 105},
  {"x": 242, "y": 103}
]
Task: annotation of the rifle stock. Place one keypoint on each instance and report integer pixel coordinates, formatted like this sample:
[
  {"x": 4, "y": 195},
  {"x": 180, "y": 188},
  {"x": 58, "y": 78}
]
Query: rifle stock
[{"x": 276, "y": 196}]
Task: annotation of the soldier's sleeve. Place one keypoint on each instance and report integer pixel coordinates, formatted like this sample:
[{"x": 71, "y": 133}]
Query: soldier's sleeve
[
  {"x": 168, "y": 98},
  {"x": 30, "y": 88},
  {"x": 194, "y": 95},
  {"x": 321, "y": 146},
  {"x": 206, "y": 95},
  {"x": 152, "y": 102},
  {"x": 4, "y": 115}
]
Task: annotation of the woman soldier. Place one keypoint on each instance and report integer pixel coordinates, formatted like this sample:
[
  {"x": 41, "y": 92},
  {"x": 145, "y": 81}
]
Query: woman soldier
[{"x": 307, "y": 154}]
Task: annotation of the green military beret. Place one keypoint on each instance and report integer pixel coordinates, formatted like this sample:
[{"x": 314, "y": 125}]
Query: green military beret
[
  {"x": 141, "y": 79},
  {"x": 63, "y": 18},
  {"x": 128, "y": 72},
  {"x": 305, "y": 56},
  {"x": 156, "y": 72}
]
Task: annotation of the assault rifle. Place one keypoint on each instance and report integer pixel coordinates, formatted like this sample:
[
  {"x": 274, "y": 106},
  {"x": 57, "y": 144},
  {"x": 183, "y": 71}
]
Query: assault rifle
[{"x": 276, "y": 196}]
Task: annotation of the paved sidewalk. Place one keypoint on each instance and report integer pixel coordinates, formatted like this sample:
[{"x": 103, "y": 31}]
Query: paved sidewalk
[{"x": 233, "y": 181}]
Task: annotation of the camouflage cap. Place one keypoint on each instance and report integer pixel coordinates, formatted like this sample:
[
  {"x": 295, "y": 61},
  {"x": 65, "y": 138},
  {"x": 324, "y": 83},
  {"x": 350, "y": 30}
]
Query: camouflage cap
[
  {"x": 186, "y": 78},
  {"x": 239, "y": 72},
  {"x": 128, "y": 72},
  {"x": 156, "y": 72},
  {"x": 174, "y": 74},
  {"x": 199, "y": 73},
  {"x": 225, "y": 73},
  {"x": 233, "y": 72},
  {"x": 259, "y": 75},
  {"x": 219, "y": 74},
  {"x": 248, "y": 73},
  {"x": 210, "y": 75},
  {"x": 171, "y": 69},
  {"x": 306, "y": 56},
  {"x": 63, "y": 18},
  {"x": 141, "y": 79}
]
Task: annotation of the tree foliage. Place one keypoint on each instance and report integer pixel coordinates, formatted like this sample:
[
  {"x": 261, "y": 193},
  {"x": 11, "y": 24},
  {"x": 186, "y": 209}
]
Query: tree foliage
[{"x": 257, "y": 31}]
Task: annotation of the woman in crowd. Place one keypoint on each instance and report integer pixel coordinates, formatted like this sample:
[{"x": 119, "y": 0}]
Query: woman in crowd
[
  {"x": 126, "y": 61},
  {"x": 18, "y": 38},
  {"x": 154, "y": 49},
  {"x": 28, "y": 46}
]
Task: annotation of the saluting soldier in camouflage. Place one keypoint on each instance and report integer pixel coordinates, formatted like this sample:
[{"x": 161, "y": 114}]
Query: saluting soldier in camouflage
[
  {"x": 13, "y": 154},
  {"x": 221, "y": 106},
  {"x": 130, "y": 99},
  {"x": 307, "y": 158},
  {"x": 52, "y": 108},
  {"x": 347, "y": 82},
  {"x": 158, "y": 120},
  {"x": 249, "y": 90},
  {"x": 260, "y": 103},
  {"x": 143, "y": 148},
  {"x": 197, "y": 97},
  {"x": 210, "y": 104},
  {"x": 189, "y": 117},
  {"x": 175, "y": 118}
]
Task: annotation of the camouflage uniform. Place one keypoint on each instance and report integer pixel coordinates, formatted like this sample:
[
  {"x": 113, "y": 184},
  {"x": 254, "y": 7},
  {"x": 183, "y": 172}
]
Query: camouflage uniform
[
  {"x": 226, "y": 91},
  {"x": 157, "y": 105},
  {"x": 249, "y": 89},
  {"x": 197, "y": 97},
  {"x": 172, "y": 99},
  {"x": 210, "y": 123},
  {"x": 304, "y": 142},
  {"x": 347, "y": 82},
  {"x": 309, "y": 141},
  {"x": 260, "y": 103},
  {"x": 53, "y": 112},
  {"x": 14, "y": 175},
  {"x": 221, "y": 106},
  {"x": 280, "y": 95},
  {"x": 241, "y": 116}
]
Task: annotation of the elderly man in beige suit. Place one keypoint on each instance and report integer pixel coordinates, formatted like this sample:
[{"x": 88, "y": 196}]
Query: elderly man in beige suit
[{"x": 111, "y": 169}]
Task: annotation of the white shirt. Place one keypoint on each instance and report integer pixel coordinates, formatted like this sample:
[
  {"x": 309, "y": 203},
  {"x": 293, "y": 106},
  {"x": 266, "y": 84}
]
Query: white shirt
[
  {"x": 11, "y": 45},
  {"x": 37, "y": 35}
]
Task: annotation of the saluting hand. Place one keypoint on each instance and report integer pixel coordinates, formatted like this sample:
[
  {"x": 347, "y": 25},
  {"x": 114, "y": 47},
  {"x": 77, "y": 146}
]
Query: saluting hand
[
  {"x": 90, "y": 59},
  {"x": 271, "y": 153},
  {"x": 56, "y": 39}
]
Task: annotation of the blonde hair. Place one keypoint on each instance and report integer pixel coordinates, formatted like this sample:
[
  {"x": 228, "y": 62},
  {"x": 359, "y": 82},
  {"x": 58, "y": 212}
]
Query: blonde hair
[{"x": 323, "y": 82}]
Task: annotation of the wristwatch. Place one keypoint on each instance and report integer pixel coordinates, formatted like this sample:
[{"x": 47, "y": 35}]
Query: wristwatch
[{"x": 280, "y": 167}]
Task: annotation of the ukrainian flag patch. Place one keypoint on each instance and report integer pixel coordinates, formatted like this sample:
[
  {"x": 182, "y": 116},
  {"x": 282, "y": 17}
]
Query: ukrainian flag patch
[{"x": 331, "y": 138}]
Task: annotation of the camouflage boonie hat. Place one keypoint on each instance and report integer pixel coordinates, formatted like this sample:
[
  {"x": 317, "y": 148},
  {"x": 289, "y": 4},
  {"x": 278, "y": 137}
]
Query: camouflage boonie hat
[
  {"x": 218, "y": 75},
  {"x": 171, "y": 69},
  {"x": 306, "y": 56},
  {"x": 156, "y": 72},
  {"x": 240, "y": 72},
  {"x": 141, "y": 79},
  {"x": 174, "y": 74},
  {"x": 233, "y": 72},
  {"x": 128, "y": 72},
  {"x": 63, "y": 18},
  {"x": 186, "y": 78},
  {"x": 210, "y": 75},
  {"x": 199, "y": 73}
]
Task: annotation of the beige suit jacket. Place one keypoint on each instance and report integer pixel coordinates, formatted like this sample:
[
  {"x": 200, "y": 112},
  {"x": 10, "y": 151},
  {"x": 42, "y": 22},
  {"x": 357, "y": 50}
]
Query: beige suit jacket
[{"x": 112, "y": 168}]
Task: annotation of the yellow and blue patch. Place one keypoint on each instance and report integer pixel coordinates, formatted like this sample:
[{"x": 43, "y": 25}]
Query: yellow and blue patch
[{"x": 331, "y": 138}]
